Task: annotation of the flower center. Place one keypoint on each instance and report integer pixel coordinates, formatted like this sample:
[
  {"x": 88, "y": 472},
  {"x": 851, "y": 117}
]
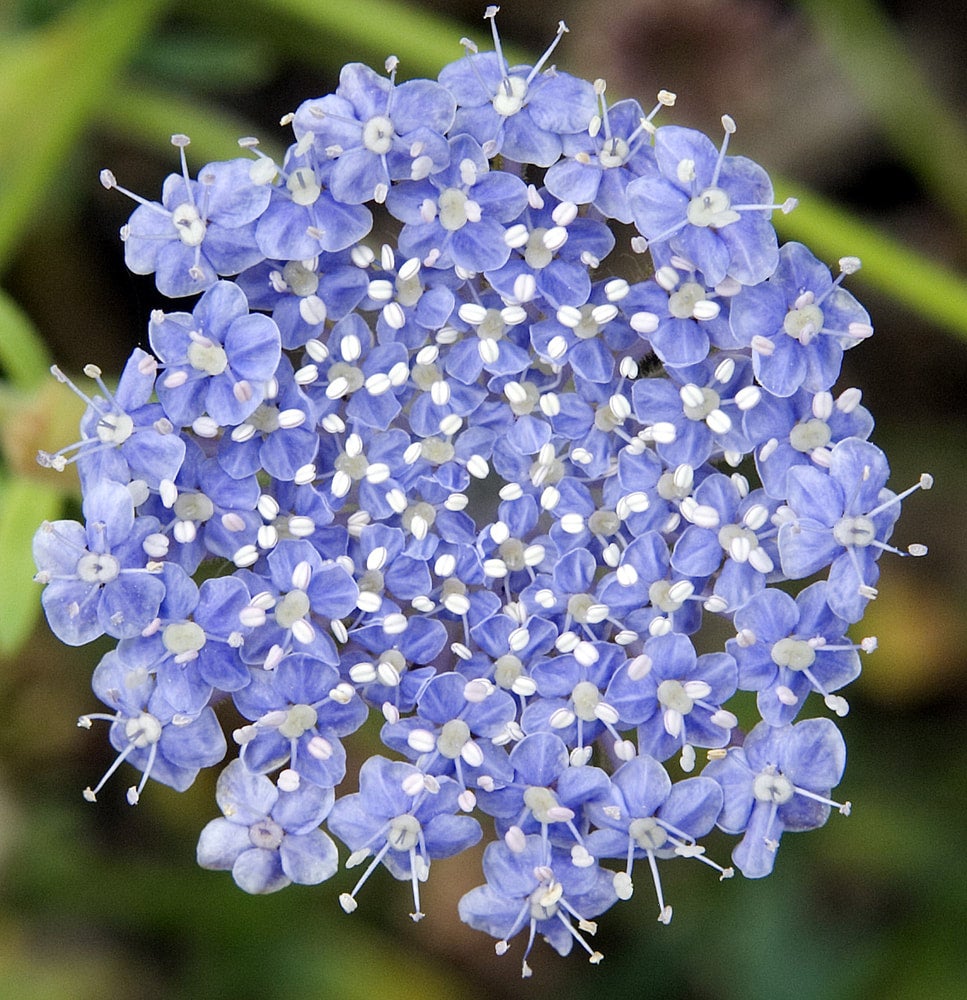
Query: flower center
[
  {"x": 98, "y": 567},
  {"x": 454, "y": 735},
  {"x": 266, "y": 833},
  {"x": 739, "y": 542},
  {"x": 796, "y": 654},
  {"x": 188, "y": 224},
  {"x": 541, "y": 802},
  {"x": 143, "y": 730},
  {"x": 301, "y": 280},
  {"x": 453, "y": 209},
  {"x": 193, "y": 507},
  {"x": 771, "y": 787},
  {"x": 671, "y": 694},
  {"x": 206, "y": 356},
  {"x": 507, "y": 669},
  {"x": 699, "y": 403},
  {"x": 647, "y": 833},
  {"x": 810, "y": 435},
  {"x": 378, "y": 135},
  {"x": 183, "y": 637},
  {"x": 544, "y": 901},
  {"x": 803, "y": 324},
  {"x": 858, "y": 531},
  {"x": 303, "y": 186},
  {"x": 510, "y": 95},
  {"x": 115, "y": 428},
  {"x": 614, "y": 152},
  {"x": 536, "y": 254},
  {"x": 681, "y": 303},
  {"x": 711, "y": 209},
  {"x": 404, "y": 832},
  {"x": 585, "y": 697},
  {"x": 298, "y": 719},
  {"x": 293, "y": 606}
]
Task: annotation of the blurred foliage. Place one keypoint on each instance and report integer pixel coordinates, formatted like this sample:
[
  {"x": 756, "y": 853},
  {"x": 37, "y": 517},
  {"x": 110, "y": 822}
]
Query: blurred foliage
[{"x": 106, "y": 900}]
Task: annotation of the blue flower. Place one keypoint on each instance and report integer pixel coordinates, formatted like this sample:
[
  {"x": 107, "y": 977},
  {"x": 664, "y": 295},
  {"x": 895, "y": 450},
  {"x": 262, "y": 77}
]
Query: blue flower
[
  {"x": 302, "y": 295},
  {"x": 646, "y": 816},
  {"x": 779, "y": 779},
  {"x": 841, "y": 517},
  {"x": 537, "y": 888},
  {"x": 148, "y": 732},
  {"x": 123, "y": 435},
  {"x": 801, "y": 429},
  {"x": 786, "y": 648},
  {"x": 675, "y": 698},
  {"x": 798, "y": 322},
  {"x": 457, "y": 216},
  {"x": 200, "y": 230},
  {"x": 218, "y": 359},
  {"x": 99, "y": 577},
  {"x": 520, "y": 111},
  {"x": 554, "y": 250},
  {"x": 302, "y": 217},
  {"x": 713, "y": 209},
  {"x": 599, "y": 163},
  {"x": 402, "y": 819},
  {"x": 377, "y": 132},
  {"x": 269, "y": 836},
  {"x": 299, "y": 712}
]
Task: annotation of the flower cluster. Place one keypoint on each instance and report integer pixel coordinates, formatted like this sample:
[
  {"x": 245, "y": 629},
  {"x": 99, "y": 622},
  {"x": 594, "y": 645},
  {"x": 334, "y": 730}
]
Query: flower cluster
[{"x": 473, "y": 480}]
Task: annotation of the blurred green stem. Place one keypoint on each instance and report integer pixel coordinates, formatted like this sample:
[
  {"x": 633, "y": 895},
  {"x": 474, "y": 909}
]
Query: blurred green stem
[{"x": 918, "y": 125}]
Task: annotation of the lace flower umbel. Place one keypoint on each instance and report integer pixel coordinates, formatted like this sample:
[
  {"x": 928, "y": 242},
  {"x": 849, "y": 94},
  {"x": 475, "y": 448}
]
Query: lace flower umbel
[{"x": 430, "y": 522}]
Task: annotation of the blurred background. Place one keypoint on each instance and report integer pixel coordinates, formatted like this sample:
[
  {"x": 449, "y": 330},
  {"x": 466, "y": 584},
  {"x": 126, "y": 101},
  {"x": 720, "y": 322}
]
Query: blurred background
[{"x": 856, "y": 108}]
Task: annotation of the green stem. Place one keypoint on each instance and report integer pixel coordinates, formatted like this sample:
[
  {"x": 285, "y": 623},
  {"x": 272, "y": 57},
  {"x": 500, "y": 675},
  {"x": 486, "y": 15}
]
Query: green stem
[{"x": 926, "y": 133}]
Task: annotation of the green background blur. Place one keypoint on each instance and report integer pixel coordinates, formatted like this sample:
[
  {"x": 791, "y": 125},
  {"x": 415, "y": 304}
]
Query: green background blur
[{"x": 858, "y": 110}]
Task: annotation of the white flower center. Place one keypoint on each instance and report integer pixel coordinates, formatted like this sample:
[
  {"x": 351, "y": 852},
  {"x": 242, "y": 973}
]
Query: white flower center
[
  {"x": 711, "y": 209},
  {"x": 378, "y": 135},
  {"x": 453, "y": 737},
  {"x": 188, "y": 224},
  {"x": 647, "y": 833},
  {"x": 858, "y": 531},
  {"x": 143, "y": 730},
  {"x": 510, "y": 95},
  {"x": 796, "y": 654},
  {"x": 404, "y": 832},
  {"x": 303, "y": 186},
  {"x": 206, "y": 356},
  {"x": 771, "y": 787},
  {"x": 453, "y": 209},
  {"x": 183, "y": 637},
  {"x": 298, "y": 719},
  {"x": 293, "y": 606},
  {"x": 266, "y": 833},
  {"x": 810, "y": 435},
  {"x": 804, "y": 323},
  {"x": 98, "y": 568},
  {"x": 193, "y": 507}
]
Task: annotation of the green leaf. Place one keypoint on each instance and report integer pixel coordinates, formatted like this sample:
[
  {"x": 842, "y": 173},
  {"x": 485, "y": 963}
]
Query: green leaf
[
  {"x": 23, "y": 357},
  {"x": 51, "y": 82},
  {"x": 24, "y": 504},
  {"x": 151, "y": 116}
]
